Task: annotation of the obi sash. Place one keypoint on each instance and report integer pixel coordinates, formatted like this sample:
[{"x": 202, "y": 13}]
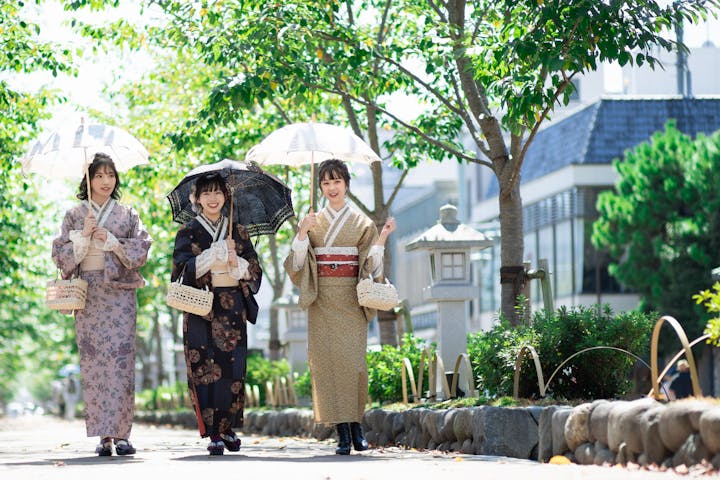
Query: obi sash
[
  {"x": 337, "y": 262},
  {"x": 94, "y": 260},
  {"x": 221, "y": 277}
]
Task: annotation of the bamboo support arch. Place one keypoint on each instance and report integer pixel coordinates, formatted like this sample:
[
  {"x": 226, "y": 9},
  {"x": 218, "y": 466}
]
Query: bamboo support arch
[
  {"x": 655, "y": 392},
  {"x": 407, "y": 371},
  {"x": 538, "y": 370},
  {"x": 463, "y": 358},
  {"x": 676, "y": 358},
  {"x": 434, "y": 362}
]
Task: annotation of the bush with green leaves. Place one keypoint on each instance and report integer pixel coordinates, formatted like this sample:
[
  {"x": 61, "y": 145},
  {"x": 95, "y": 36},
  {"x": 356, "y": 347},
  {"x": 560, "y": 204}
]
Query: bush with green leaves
[
  {"x": 303, "y": 385},
  {"x": 492, "y": 356},
  {"x": 260, "y": 370},
  {"x": 556, "y": 336},
  {"x": 385, "y": 367}
]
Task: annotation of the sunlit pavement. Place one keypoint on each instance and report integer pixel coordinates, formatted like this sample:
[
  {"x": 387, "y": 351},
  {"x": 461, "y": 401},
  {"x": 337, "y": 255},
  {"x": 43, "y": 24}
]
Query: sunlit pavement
[{"x": 33, "y": 447}]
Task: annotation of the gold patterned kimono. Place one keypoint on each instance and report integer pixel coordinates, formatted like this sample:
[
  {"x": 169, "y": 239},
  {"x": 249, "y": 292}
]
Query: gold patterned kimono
[{"x": 337, "y": 324}]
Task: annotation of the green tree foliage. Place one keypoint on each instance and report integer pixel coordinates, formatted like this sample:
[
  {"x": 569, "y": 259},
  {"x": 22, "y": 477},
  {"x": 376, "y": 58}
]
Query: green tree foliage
[
  {"x": 483, "y": 67},
  {"x": 660, "y": 223},
  {"x": 556, "y": 336},
  {"x": 710, "y": 299},
  {"x": 26, "y": 326}
]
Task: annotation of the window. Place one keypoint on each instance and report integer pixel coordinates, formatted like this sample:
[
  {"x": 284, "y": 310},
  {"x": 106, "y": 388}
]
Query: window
[
  {"x": 564, "y": 259},
  {"x": 453, "y": 266}
]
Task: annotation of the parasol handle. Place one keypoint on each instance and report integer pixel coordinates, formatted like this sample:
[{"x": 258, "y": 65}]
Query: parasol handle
[
  {"x": 87, "y": 180},
  {"x": 231, "y": 214},
  {"x": 312, "y": 181}
]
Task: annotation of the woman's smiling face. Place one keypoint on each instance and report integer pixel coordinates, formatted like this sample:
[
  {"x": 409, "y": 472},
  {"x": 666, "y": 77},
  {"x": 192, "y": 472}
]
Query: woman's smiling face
[
  {"x": 212, "y": 202},
  {"x": 334, "y": 190},
  {"x": 102, "y": 184}
]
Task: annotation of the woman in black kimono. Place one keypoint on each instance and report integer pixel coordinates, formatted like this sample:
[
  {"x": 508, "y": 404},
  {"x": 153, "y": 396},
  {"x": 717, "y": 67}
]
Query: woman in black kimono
[{"x": 216, "y": 344}]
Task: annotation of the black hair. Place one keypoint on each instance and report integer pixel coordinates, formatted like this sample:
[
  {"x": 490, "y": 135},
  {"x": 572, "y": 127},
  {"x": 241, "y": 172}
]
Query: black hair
[
  {"x": 100, "y": 160},
  {"x": 332, "y": 169}
]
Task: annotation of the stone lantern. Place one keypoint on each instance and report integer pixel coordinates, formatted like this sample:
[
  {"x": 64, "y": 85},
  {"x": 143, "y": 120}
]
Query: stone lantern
[
  {"x": 449, "y": 244},
  {"x": 295, "y": 333}
]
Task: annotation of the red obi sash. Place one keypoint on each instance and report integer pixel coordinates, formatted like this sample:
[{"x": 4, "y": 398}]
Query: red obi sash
[{"x": 337, "y": 265}]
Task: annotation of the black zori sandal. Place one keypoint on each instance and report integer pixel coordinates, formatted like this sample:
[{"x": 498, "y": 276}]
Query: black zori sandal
[
  {"x": 123, "y": 447},
  {"x": 104, "y": 448},
  {"x": 216, "y": 445},
  {"x": 231, "y": 441}
]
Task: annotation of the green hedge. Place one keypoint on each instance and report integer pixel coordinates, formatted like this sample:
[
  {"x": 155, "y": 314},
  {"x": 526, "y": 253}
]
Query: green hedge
[{"x": 557, "y": 336}]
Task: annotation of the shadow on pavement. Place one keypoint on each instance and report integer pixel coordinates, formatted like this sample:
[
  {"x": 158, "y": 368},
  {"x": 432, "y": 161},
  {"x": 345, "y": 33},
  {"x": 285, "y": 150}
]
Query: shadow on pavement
[
  {"x": 280, "y": 458},
  {"x": 59, "y": 462}
]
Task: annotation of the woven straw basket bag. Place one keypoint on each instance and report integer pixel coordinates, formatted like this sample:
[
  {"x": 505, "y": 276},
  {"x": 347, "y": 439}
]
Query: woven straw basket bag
[
  {"x": 379, "y": 296},
  {"x": 66, "y": 294},
  {"x": 189, "y": 299}
]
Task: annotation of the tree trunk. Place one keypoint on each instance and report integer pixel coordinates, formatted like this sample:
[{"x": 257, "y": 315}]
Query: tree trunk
[
  {"x": 157, "y": 340},
  {"x": 274, "y": 344},
  {"x": 512, "y": 271},
  {"x": 387, "y": 321},
  {"x": 277, "y": 282}
]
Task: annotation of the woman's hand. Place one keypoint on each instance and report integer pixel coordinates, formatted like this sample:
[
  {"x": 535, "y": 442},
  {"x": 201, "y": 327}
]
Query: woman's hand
[
  {"x": 389, "y": 227},
  {"x": 89, "y": 226},
  {"x": 232, "y": 258},
  {"x": 232, "y": 254},
  {"x": 307, "y": 224},
  {"x": 100, "y": 234}
]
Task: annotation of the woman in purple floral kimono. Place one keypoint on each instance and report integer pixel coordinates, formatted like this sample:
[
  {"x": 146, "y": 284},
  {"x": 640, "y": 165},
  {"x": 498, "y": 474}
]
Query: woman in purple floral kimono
[
  {"x": 106, "y": 243},
  {"x": 216, "y": 344}
]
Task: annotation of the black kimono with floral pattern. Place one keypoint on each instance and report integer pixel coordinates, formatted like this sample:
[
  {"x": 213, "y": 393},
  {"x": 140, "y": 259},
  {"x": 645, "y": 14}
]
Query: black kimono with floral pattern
[{"x": 216, "y": 344}]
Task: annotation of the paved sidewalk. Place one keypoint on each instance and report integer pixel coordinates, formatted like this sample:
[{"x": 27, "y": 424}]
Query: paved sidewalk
[{"x": 51, "y": 448}]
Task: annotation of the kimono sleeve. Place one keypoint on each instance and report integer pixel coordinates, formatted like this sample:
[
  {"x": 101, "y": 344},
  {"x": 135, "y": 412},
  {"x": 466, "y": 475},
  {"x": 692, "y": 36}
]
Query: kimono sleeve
[
  {"x": 367, "y": 239},
  {"x": 306, "y": 279},
  {"x": 184, "y": 254},
  {"x": 62, "y": 247},
  {"x": 244, "y": 248},
  {"x": 137, "y": 244}
]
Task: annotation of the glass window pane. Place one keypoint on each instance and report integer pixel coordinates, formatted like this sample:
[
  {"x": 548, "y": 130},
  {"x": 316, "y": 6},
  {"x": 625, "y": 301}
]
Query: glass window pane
[{"x": 563, "y": 261}]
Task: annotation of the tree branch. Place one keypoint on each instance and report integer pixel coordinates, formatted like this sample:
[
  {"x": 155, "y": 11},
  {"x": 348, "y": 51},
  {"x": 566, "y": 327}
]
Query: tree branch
[
  {"x": 397, "y": 188},
  {"x": 516, "y": 168}
]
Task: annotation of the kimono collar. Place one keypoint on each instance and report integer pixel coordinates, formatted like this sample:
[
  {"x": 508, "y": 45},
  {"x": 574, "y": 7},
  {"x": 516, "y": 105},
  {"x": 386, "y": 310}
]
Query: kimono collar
[
  {"x": 102, "y": 212},
  {"x": 333, "y": 214},
  {"x": 216, "y": 231},
  {"x": 337, "y": 221}
]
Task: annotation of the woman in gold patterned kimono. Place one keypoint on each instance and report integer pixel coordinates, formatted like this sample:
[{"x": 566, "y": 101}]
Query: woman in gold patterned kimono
[{"x": 333, "y": 249}]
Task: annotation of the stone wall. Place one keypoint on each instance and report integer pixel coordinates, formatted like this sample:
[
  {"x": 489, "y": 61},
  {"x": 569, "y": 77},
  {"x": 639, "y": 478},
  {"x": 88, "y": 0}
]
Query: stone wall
[{"x": 642, "y": 431}]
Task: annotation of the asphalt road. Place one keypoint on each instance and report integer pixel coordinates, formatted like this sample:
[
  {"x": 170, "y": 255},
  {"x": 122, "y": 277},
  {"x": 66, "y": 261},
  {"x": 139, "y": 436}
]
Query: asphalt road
[{"x": 49, "y": 448}]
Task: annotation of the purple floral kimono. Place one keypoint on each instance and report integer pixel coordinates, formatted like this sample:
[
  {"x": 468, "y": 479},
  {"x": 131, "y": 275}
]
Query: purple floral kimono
[{"x": 105, "y": 328}]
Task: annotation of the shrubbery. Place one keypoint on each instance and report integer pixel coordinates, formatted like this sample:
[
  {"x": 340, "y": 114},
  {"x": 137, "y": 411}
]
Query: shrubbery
[
  {"x": 260, "y": 370},
  {"x": 556, "y": 336},
  {"x": 385, "y": 368}
]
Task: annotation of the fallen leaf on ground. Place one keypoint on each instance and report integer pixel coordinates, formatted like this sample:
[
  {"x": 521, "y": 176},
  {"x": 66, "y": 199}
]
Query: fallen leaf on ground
[{"x": 560, "y": 460}]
